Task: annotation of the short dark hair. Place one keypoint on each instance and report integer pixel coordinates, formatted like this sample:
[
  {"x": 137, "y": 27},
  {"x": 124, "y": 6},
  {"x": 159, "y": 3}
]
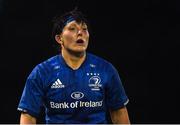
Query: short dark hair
[{"x": 59, "y": 21}]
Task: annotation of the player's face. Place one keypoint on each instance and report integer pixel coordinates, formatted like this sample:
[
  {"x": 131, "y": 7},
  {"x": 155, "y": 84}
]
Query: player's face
[{"x": 75, "y": 37}]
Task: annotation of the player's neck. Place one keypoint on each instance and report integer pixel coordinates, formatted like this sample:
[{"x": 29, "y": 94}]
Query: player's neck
[{"x": 73, "y": 60}]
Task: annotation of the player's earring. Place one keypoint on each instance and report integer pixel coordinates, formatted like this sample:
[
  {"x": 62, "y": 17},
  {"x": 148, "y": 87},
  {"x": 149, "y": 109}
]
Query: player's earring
[{"x": 61, "y": 41}]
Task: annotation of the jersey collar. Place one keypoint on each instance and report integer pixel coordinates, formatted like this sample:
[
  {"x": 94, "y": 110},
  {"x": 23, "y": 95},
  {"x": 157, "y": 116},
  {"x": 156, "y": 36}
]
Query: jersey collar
[{"x": 62, "y": 62}]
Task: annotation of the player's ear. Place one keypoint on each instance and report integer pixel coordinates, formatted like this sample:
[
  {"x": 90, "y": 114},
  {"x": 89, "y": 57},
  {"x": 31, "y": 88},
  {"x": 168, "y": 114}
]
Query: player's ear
[{"x": 59, "y": 39}]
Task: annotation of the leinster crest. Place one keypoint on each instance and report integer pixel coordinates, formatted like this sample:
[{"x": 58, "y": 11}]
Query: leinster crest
[{"x": 94, "y": 83}]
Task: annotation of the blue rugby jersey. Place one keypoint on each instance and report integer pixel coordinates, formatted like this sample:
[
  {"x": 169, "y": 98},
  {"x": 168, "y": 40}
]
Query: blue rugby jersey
[{"x": 73, "y": 96}]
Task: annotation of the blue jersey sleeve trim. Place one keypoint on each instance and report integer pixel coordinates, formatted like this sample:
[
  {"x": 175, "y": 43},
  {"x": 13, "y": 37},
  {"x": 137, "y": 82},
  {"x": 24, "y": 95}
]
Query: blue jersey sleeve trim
[
  {"x": 120, "y": 104},
  {"x": 27, "y": 110}
]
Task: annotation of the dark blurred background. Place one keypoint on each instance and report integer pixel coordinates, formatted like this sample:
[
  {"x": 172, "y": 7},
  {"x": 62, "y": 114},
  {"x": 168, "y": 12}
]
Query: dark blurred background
[{"x": 140, "y": 38}]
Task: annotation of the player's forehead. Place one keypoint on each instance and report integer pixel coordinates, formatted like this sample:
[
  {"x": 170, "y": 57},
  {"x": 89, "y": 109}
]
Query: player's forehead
[{"x": 76, "y": 23}]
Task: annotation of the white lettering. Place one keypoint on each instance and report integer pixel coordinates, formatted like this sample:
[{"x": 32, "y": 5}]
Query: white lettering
[
  {"x": 59, "y": 105},
  {"x": 76, "y": 104},
  {"x": 91, "y": 104}
]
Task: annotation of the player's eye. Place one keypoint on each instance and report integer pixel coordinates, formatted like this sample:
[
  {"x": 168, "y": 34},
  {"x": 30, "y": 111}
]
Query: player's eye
[
  {"x": 85, "y": 29},
  {"x": 72, "y": 28}
]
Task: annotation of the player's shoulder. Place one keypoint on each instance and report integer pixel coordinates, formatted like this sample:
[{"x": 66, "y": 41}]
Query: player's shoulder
[
  {"x": 52, "y": 61},
  {"x": 100, "y": 61},
  {"x": 47, "y": 65}
]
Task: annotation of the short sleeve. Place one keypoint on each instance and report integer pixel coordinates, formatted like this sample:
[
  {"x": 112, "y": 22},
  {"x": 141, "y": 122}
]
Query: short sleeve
[
  {"x": 115, "y": 94},
  {"x": 32, "y": 97}
]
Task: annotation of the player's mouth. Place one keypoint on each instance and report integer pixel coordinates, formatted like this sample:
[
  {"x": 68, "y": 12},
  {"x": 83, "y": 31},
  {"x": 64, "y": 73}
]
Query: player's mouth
[{"x": 80, "y": 42}]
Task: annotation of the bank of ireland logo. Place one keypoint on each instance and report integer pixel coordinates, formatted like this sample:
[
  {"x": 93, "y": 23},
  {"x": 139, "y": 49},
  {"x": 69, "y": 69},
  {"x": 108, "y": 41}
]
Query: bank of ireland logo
[
  {"x": 77, "y": 95},
  {"x": 94, "y": 83}
]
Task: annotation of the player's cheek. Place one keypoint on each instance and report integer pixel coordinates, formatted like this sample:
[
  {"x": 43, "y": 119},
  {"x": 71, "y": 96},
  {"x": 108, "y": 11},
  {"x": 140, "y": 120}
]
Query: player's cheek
[{"x": 69, "y": 38}]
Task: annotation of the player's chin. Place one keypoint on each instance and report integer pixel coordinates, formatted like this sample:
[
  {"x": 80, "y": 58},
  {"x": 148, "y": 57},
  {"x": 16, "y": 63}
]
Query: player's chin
[
  {"x": 80, "y": 49},
  {"x": 78, "y": 52}
]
